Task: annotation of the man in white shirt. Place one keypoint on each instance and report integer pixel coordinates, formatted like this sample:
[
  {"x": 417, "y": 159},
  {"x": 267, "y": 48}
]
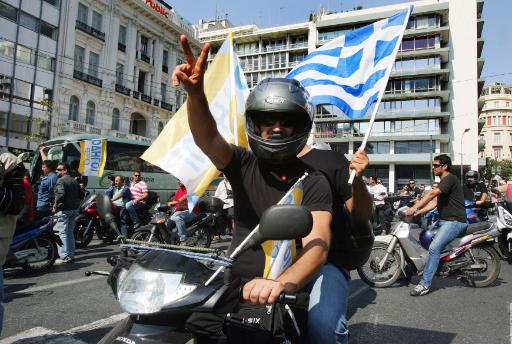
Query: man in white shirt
[
  {"x": 379, "y": 194},
  {"x": 225, "y": 193}
]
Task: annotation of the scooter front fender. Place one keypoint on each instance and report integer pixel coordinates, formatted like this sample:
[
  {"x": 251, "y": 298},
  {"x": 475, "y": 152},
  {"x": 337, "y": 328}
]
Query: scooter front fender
[
  {"x": 386, "y": 240},
  {"x": 129, "y": 332}
]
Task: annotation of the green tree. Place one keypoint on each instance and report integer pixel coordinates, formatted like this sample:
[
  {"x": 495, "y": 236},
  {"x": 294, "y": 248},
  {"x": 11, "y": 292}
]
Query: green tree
[{"x": 494, "y": 167}]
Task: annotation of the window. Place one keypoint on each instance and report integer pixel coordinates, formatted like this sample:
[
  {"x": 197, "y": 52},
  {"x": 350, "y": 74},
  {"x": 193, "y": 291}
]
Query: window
[
  {"x": 96, "y": 20},
  {"x": 25, "y": 55},
  {"x": 160, "y": 127},
  {"x": 79, "y": 58},
  {"x": 412, "y": 147},
  {"x": 22, "y": 92},
  {"x": 124, "y": 157},
  {"x": 41, "y": 96},
  {"x": 507, "y": 104},
  {"x": 6, "y": 48},
  {"x": 497, "y": 153},
  {"x": 165, "y": 58},
  {"x": 52, "y": 2},
  {"x": 8, "y": 12},
  {"x": 119, "y": 73},
  {"x": 93, "y": 64},
  {"x": 115, "y": 119},
  {"x": 45, "y": 62},
  {"x": 74, "y": 105},
  {"x": 497, "y": 138},
  {"x": 6, "y": 84},
  {"x": 48, "y": 30},
  {"x": 90, "y": 113},
  {"x": 29, "y": 22},
  {"x": 122, "y": 34},
  {"x": 144, "y": 44},
  {"x": 82, "y": 13},
  {"x": 18, "y": 123},
  {"x": 494, "y": 120},
  {"x": 163, "y": 91}
]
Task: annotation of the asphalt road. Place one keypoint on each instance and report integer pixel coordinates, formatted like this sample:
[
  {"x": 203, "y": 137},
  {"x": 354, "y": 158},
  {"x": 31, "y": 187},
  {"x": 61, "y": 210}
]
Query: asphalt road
[{"x": 63, "y": 306}]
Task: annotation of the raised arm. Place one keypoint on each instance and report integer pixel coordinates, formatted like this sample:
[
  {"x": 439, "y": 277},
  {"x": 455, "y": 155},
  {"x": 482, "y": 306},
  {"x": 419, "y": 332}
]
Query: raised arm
[{"x": 202, "y": 124}]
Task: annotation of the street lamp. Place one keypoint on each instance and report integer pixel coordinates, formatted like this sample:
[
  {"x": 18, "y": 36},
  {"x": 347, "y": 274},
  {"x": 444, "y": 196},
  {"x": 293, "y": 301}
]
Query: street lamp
[{"x": 461, "y": 162}]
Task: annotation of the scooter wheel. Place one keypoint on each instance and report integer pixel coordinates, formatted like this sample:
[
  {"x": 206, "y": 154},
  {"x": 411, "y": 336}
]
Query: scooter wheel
[{"x": 38, "y": 263}]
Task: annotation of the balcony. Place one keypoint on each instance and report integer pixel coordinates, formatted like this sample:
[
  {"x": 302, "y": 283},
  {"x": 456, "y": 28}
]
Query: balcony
[
  {"x": 165, "y": 69},
  {"x": 87, "y": 78},
  {"x": 166, "y": 106},
  {"x": 145, "y": 98},
  {"x": 90, "y": 30},
  {"x": 144, "y": 57},
  {"x": 78, "y": 128},
  {"x": 136, "y": 94},
  {"x": 121, "y": 47},
  {"x": 123, "y": 90}
]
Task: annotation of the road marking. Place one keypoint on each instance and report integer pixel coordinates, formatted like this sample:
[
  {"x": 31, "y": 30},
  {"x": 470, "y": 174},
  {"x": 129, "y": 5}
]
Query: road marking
[
  {"x": 510, "y": 323},
  {"x": 53, "y": 285},
  {"x": 41, "y": 335},
  {"x": 98, "y": 323}
]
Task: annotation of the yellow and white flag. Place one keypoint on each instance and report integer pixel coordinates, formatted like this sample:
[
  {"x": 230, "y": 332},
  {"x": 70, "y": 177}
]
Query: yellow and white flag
[
  {"x": 280, "y": 254},
  {"x": 174, "y": 149},
  {"x": 93, "y": 154}
]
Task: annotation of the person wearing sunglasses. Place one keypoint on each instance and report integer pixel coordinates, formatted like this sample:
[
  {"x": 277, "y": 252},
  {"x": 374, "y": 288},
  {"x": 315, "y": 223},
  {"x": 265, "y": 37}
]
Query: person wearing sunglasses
[
  {"x": 68, "y": 197},
  {"x": 279, "y": 117},
  {"x": 452, "y": 218},
  {"x": 139, "y": 192}
]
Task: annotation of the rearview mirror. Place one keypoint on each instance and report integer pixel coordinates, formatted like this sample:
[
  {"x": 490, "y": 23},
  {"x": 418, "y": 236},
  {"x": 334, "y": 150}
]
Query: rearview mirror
[
  {"x": 104, "y": 205},
  {"x": 283, "y": 222}
]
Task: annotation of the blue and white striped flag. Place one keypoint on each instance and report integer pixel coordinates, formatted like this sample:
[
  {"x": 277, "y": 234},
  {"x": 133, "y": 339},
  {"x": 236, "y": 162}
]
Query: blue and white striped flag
[{"x": 351, "y": 72}]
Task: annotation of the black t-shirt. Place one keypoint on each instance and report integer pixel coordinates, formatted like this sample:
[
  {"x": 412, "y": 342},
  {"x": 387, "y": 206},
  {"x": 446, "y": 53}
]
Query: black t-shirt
[
  {"x": 451, "y": 201},
  {"x": 257, "y": 186},
  {"x": 474, "y": 192},
  {"x": 415, "y": 192}
]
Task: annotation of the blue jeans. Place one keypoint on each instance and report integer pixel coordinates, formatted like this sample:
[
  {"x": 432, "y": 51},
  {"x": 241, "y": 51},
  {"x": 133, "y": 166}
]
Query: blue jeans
[
  {"x": 328, "y": 303},
  {"x": 123, "y": 217},
  {"x": 65, "y": 226},
  {"x": 447, "y": 231},
  {"x": 132, "y": 210},
  {"x": 181, "y": 218}
]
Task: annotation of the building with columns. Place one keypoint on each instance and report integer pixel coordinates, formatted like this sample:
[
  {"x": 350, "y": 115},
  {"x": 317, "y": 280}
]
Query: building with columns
[
  {"x": 496, "y": 116},
  {"x": 115, "y": 65},
  {"x": 431, "y": 98}
]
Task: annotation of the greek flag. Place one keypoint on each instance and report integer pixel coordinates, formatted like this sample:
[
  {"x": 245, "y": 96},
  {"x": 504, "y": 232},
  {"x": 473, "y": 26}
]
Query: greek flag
[{"x": 351, "y": 72}]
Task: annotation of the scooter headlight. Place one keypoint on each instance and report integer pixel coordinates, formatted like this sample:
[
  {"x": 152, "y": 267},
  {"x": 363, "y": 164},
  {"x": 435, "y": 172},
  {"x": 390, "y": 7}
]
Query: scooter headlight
[
  {"x": 145, "y": 291},
  {"x": 505, "y": 216}
]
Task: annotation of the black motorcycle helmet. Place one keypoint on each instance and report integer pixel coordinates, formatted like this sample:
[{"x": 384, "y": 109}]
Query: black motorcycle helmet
[
  {"x": 287, "y": 100},
  {"x": 471, "y": 174}
]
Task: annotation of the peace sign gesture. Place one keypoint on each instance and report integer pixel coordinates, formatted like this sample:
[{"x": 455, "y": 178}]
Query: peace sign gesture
[{"x": 191, "y": 74}]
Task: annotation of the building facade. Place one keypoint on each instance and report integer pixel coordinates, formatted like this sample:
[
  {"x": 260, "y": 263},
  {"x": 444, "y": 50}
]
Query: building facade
[
  {"x": 28, "y": 53},
  {"x": 114, "y": 72},
  {"x": 431, "y": 101},
  {"x": 496, "y": 116}
]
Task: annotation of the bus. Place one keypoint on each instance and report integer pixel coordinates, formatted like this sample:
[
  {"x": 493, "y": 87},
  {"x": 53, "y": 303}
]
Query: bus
[{"x": 123, "y": 158}]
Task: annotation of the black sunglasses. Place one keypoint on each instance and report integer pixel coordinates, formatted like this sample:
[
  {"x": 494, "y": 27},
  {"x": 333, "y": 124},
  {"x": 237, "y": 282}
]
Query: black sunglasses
[
  {"x": 437, "y": 165},
  {"x": 60, "y": 169},
  {"x": 136, "y": 175}
]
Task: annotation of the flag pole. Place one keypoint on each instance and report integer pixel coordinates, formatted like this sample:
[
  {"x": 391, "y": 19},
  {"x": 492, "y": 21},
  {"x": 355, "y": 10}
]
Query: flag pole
[
  {"x": 381, "y": 93},
  {"x": 232, "y": 84}
]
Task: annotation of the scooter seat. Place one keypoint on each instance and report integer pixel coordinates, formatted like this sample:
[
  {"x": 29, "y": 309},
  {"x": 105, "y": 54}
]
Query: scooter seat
[
  {"x": 25, "y": 227},
  {"x": 476, "y": 227}
]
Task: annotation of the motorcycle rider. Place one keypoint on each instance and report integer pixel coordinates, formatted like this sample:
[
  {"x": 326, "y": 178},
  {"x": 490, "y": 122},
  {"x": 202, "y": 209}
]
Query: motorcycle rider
[
  {"x": 452, "y": 218},
  {"x": 279, "y": 117},
  {"x": 475, "y": 191},
  {"x": 351, "y": 243},
  {"x": 120, "y": 194},
  {"x": 379, "y": 194},
  {"x": 181, "y": 216},
  {"x": 139, "y": 192}
]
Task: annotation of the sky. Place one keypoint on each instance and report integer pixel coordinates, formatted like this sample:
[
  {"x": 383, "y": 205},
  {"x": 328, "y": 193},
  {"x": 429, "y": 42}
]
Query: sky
[{"x": 497, "y": 31}]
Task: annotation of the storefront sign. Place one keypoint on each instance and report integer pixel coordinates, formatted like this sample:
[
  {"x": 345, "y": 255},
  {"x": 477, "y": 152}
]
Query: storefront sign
[{"x": 157, "y": 7}]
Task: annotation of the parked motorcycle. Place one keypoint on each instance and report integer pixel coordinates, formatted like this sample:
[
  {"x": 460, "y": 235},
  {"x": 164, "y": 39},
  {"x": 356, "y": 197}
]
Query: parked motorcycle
[
  {"x": 470, "y": 256},
  {"x": 160, "y": 289},
  {"x": 210, "y": 221},
  {"x": 35, "y": 246},
  {"x": 89, "y": 221}
]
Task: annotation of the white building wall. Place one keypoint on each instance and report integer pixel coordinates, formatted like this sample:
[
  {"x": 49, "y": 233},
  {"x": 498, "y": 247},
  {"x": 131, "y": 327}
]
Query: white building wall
[{"x": 463, "y": 82}]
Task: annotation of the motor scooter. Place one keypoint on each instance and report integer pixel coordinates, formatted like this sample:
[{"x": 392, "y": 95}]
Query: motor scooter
[
  {"x": 210, "y": 221},
  {"x": 504, "y": 223},
  {"x": 34, "y": 246},
  {"x": 470, "y": 257},
  {"x": 160, "y": 289}
]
